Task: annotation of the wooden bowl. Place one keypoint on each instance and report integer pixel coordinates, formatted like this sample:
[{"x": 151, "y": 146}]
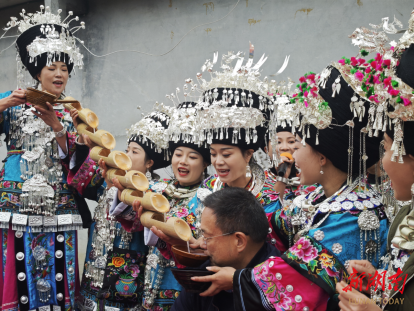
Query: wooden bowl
[
  {"x": 183, "y": 276},
  {"x": 188, "y": 259}
]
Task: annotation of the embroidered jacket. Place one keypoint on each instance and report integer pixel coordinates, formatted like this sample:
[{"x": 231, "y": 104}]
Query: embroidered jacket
[{"x": 306, "y": 274}]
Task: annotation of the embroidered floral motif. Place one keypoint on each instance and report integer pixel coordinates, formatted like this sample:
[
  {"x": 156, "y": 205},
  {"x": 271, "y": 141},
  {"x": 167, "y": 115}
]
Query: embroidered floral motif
[
  {"x": 117, "y": 262},
  {"x": 274, "y": 291},
  {"x": 304, "y": 250}
]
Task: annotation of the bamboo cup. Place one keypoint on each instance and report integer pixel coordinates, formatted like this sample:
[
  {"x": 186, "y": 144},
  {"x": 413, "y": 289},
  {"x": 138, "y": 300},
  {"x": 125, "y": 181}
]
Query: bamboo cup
[
  {"x": 85, "y": 114},
  {"x": 99, "y": 137},
  {"x": 131, "y": 179},
  {"x": 174, "y": 227},
  {"x": 151, "y": 201},
  {"x": 116, "y": 159}
]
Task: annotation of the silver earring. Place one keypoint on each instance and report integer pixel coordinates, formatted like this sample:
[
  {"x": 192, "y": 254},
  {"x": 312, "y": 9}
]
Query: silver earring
[
  {"x": 321, "y": 171},
  {"x": 248, "y": 172},
  {"x": 148, "y": 174}
]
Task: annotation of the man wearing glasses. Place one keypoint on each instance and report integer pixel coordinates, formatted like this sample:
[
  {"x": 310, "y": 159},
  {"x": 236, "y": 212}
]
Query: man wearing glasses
[{"x": 234, "y": 227}]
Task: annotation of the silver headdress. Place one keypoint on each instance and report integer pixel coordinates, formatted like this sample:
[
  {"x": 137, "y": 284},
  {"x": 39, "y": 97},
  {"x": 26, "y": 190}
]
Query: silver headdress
[
  {"x": 44, "y": 33},
  {"x": 151, "y": 132},
  {"x": 377, "y": 79},
  {"x": 235, "y": 100}
]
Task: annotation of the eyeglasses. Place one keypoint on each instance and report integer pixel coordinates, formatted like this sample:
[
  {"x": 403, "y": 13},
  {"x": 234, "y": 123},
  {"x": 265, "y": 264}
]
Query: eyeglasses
[{"x": 216, "y": 236}]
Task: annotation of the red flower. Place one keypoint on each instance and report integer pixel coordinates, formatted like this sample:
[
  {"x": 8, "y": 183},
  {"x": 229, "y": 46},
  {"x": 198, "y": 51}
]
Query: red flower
[
  {"x": 341, "y": 61},
  {"x": 354, "y": 61},
  {"x": 377, "y": 80},
  {"x": 374, "y": 64},
  {"x": 374, "y": 98},
  {"x": 361, "y": 61},
  {"x": 368, "y": 70},
  {"x": 294, "y": 95},
  {"x": 359, "y": 75},
  {"x": 378, "y": 58},
  {"x": 302, "y": 79},
  {"x": 311, "y": 77},
  {"x": 387, "y": 62},
  {"x": 387, "y": 81},
  {"x": 393, "y": 92},
  {"x": 407, "y": 102}
]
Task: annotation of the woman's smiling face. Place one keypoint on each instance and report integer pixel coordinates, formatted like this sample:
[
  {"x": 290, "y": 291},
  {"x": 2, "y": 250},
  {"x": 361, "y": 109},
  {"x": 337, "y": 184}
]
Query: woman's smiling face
[{"x": 188, "y": 166}]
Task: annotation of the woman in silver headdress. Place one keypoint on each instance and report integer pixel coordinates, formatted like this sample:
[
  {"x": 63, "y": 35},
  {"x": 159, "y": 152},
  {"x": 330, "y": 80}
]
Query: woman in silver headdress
[{"x": 39, "y": 265}]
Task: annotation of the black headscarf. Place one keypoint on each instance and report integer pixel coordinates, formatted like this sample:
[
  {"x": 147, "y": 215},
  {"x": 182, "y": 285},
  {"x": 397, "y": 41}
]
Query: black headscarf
[
  {"x": 36, "y": 66},
  {"x": 334, "y": 140}
]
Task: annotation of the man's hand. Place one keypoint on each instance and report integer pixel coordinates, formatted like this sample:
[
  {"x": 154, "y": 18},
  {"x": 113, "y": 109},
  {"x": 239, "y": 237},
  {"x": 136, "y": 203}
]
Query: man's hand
[
  {"x": 221, "y": 280},
  {"x": 362, "y": 266},
  {"x": 354, "y": 300}
]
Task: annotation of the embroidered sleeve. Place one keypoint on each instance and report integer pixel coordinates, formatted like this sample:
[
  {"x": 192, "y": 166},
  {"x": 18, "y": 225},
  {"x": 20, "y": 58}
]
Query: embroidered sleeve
[{"x": 274, "y": 284}]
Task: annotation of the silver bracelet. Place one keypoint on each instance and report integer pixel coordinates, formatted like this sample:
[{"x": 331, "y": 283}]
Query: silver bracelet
[
  {"x": 61, "y": 133},
  {"x": 78, "y": 143},
  {"x": 282, "y": 179}
]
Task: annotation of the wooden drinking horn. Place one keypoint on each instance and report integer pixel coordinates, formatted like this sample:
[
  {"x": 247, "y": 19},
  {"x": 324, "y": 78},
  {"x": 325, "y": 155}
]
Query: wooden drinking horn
[
  {"x": 100, "y": 137},
  {"x": 151, "y": 201},
  {"x": 114, "y": 158},
  {"x": 173, "y": 227},
  {"x": 85, "y": 114},
  {"x": 131, "y": 179}
]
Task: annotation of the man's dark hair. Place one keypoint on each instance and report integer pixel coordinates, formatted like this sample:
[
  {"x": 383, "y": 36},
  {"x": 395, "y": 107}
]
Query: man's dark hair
[{"x": 237, "y": 210}]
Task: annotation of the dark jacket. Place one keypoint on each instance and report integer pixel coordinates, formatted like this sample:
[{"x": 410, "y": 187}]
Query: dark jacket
[
  {"x": 223, "y": 301},
  {"x": 408, "y": 294}
]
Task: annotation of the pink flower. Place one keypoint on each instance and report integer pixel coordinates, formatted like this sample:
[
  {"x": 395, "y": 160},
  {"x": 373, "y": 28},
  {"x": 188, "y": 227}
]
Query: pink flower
[
  {"x": 387, "y": 62},
  {"x": 302, "y": 79},
  {"x": 374, "y": 98},
  {"x": 306, "y": 94},
  {"x": 354, "y": 61},
  {"x": 263, "y": 272},
  {"x": 306, "y": 104},
  {"x": 407, "y": 102},
  {"x": 359, "y": 75},
  {"x": 368, "y": 70},
  {"x": 378, "y": 58},
  {"x": 168, "y": 293},
  {"x": 361, "y": 61},
  {"x": 393, "y": 92},
  {"x": 294, "y": 95},
  {"x": 387, "y": 81},
  {"x": 6, "y": 184},
  {"x": 284, "y": 301},
  {"x": 182, "y": 212},
  {"x": 304, "y": 250},
  {"x": 376, "y": 79},
  {"x": 374, "y": 64},
  {"x": 341, "y": 61},
  {"x": 392, "y": 48},
  {"x": 311, "y": 77}
]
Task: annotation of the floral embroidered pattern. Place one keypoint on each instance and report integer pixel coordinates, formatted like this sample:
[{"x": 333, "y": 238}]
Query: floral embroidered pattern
[
  {"x": 124, "y": 277},
  {"x": 274, "y": 291},
  {"x": 310, "y": 256}
]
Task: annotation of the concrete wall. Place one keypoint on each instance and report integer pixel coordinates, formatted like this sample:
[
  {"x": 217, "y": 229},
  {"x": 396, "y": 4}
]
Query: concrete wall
[{"x": 313, "y": 32}]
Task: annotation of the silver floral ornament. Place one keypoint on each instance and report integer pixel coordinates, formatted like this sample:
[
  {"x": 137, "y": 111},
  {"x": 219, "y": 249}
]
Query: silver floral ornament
[
  {"x": 319, "y": 235},
  {"x": 337, "y": 248}
]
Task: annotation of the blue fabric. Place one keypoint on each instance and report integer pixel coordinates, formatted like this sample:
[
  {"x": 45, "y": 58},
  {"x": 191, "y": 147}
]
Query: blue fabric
[
  {"x": 46, "y": 240},
  {"x": 343, "y": 229},
  {"x": 12, "y": 168},
  {"x": 70, "y": 256},
  {"x": 272, "y": 207}
]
